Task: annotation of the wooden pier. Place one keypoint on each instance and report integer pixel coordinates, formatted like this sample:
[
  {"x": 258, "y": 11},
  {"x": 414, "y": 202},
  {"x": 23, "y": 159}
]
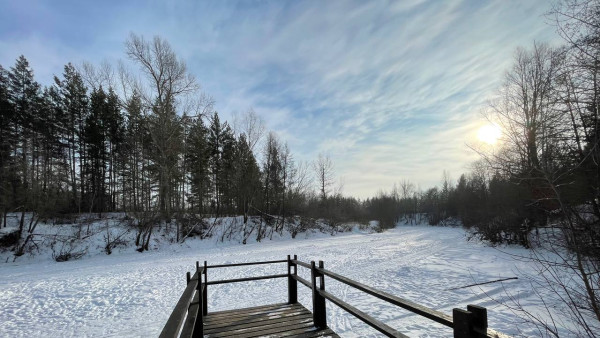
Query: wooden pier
[
  {"x": 280, "y": 320},
  {"x": 191, "y": 318}
]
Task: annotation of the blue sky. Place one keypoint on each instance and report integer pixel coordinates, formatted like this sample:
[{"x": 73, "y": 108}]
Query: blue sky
[{"x": 392, "y": 90}]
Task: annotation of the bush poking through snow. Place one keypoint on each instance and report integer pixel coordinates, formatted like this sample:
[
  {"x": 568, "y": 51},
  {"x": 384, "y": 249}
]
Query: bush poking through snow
[
  {"x": 10, "y": 239},
  {"x": 67, "y": 250},
  {"x": 68, "y": 256}
]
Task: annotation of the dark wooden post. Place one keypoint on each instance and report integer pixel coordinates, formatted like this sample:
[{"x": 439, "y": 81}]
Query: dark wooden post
[
  {"x": 292, "y": 283},
  {"x": 479, "y": 318},
  {"x": 205, "y": 294},
  {"x": 187, "y": 278},
  {"x": 319, "y": 313},
  {"x": 463, "y": 323},
  {"x": 199, "y": 325},
  {"x": 471, "y": 323}
]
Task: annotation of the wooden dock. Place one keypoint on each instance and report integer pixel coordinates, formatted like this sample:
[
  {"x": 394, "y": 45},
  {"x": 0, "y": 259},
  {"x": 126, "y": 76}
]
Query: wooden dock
[
  {"x": 278, "y": 320},
  {"x": 191, "y": 318}
]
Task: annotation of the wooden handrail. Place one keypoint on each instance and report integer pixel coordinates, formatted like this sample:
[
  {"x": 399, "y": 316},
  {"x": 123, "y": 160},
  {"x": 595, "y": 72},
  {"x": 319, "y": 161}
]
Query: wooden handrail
[
  {"x": 237, "y": 280},
  {"x": 179, "y": 314},
  {"x": 374, "y": 323},
  {"x": 303, "y": 281},
  {"x": 436, "y": 316},
  {"x": 245, "y": 264},
  {"x": 469, "y": 323},
  {"x": 192, "y": 305},
  {"x": 301, "y": 263}
]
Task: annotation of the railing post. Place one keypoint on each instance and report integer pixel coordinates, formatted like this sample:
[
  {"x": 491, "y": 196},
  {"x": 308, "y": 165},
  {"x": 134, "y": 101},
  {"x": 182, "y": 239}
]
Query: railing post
[
  {"x": 199, "y": 325},
  {"x": 479, "y": 317},
  {"x": 471, "y": 323},
  {"x": 319, "y": 313},
  {"x": 463, "y": 323},
  {"x": 187, "y": 278},
  {"x": 292, "y": 283},
  {"x": 205, "y": 293}
]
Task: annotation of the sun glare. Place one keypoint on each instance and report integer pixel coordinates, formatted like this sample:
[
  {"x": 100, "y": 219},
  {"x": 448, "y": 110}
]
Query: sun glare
[{"x": 490, "y": 133}]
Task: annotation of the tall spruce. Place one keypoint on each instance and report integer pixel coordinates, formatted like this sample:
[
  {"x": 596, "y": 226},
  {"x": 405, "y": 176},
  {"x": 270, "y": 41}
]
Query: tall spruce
[
  {"x": 8, "y": 176},
  {"x": 75, "y": 105},
  {"x": 198, "y": 155},
  {"x": 24, "y": 96}
]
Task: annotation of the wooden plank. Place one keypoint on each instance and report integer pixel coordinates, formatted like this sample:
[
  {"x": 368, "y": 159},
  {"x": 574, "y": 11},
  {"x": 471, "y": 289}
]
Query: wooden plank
[
  {"x": 245, "y": 314},
  {"x": 247, "y": 279},
  {"x": 374, "y": 323},
  {"x": 306, "y": 265},
  {"x": 190, "y": 321},
  {"x": 254, "y": 318},
  {"x": 261, "y": 327},
  {"x": 434, "y": 315},
  {"x": 296, "y": 328},
  {"x": 303, "y": 281},
  {"x": 246, "y": 264},
  {"x": 314, "y": 333},
  {"x": 324, "y": 333},
  {"x": 228, "y": 312},
  {"x": 177, "y": 317},
  {"x": 310, "y": 331},
  {"x": 243, "y": 326}
]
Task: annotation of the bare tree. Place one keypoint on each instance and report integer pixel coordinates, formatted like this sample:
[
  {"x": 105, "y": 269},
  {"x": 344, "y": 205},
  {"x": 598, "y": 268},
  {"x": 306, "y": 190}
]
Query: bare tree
[
  {"x": 545, "y": 120},
  {"x": 96, "y": 77},
  {"x": 525, "y": 111},
  {"x": 169, "y": 81},
  {"x": 324, "y": 173},
  {"x": 250, "y": 124},
  {"x": 303, "y": 181}
]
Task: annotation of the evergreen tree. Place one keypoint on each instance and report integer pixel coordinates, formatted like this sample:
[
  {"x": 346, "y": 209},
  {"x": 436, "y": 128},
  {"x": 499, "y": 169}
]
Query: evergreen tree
[
  {"x": 166, "y": 133},
  {"x": 220, "y": 144},
  {"x": 8, "y": 177},
  {"x": 115, "y": 134},
  {"x": 95, "y": 138},
  {"x": 75, "y": 105},
  {"x": 24, "y": 96},
  {"x": 247, "y": 177},
  {"x": 272, "y": 175},
  {"x": 198, "y": 156}
]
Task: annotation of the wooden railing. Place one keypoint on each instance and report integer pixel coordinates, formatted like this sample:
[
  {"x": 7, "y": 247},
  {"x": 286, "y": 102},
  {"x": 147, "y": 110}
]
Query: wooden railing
[{"x": 187, "y": 317}]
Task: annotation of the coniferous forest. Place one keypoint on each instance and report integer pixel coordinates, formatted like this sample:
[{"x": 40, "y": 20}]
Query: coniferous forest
[
  {"x": 145, "y": 139},
  {"x": 142, "y": 138}
]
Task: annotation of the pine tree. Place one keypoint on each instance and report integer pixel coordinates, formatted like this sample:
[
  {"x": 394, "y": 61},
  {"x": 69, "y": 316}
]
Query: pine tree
[
  {"x": 8, "y": 178},
  {"x": 247, "y": 177},
  {"x": 198, "y": 155},
  {"x": 166, "y": 133},
  {"x": 115, "y": 130},
  {"x": 75, "y": 105},
  {"x": 272, "y": 171},
  {"x": 95, "y": 138},
  {"x": 220, "y": 144},
  {"x": 134, "y": 157},
  {"x": 24, "y": 95}
]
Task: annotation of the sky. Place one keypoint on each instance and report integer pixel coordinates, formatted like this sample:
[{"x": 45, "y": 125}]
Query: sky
[{"x": 391, "y": 90}]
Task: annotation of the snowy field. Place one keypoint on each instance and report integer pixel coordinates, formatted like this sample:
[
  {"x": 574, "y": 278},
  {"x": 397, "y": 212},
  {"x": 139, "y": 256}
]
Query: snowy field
[{"x": 129, "y": 294}]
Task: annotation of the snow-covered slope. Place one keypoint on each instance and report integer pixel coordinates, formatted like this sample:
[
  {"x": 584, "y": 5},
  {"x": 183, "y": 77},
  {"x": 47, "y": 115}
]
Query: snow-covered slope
[{"x": 132, "y": 294}]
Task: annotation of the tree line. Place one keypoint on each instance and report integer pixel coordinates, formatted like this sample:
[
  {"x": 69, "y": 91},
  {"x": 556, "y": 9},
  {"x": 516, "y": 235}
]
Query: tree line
[
  {"x": 99, "y": 140},
  {"x": 540, "y": 185}
]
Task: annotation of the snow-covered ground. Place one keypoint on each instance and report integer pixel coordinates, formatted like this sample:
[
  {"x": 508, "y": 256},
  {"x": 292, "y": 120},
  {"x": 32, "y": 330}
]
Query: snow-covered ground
[{"x": 130, "y": 294}]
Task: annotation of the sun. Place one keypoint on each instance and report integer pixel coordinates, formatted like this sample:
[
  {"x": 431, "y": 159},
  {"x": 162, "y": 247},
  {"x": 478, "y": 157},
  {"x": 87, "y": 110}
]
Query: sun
[{"x": 490, "y": 133}]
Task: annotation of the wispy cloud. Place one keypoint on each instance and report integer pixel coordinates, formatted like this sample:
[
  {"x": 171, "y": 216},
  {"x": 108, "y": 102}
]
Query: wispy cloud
[{"x": 390, "y": 90}]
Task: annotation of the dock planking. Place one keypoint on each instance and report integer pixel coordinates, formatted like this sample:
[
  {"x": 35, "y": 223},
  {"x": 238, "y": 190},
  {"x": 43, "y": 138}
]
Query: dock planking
[{"x": 277, "y": 320}]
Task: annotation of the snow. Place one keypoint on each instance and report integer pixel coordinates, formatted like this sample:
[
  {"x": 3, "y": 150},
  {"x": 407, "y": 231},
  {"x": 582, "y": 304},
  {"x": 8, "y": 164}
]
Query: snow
[{"x": 130, "y": 294}]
